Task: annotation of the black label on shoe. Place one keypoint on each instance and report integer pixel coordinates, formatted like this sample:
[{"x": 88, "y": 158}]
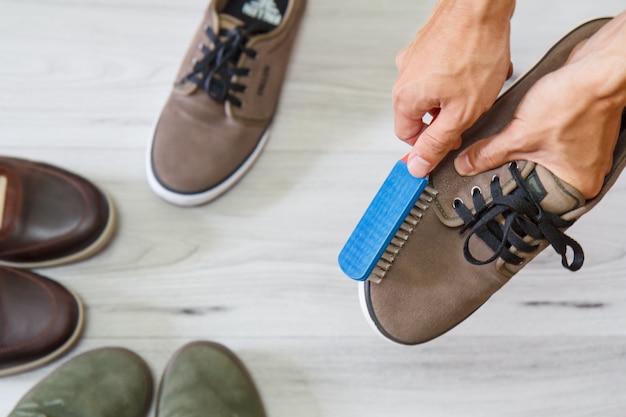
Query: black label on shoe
[
  {"x": 263, "y": 10},
  {"x": 535, "y": 186},
  {"x": 263, "y": 15}
]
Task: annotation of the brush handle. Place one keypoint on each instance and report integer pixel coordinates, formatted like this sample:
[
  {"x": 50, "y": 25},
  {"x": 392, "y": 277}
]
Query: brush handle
[{"x": 382, "y": 219}]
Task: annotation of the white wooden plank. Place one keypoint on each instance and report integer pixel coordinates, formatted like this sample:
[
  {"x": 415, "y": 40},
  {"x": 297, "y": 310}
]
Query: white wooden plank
[{"x": 81, "y": 83}]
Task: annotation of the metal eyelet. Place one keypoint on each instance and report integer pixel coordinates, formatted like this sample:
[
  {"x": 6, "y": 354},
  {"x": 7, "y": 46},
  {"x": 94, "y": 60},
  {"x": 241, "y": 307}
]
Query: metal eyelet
[
  {"x": 476, "y": 189},
  {"x": 456, "y": 202}
]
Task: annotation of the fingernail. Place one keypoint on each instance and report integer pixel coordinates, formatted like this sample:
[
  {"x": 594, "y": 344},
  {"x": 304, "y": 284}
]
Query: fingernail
[
  {"x": 418, "y": 167},
  {"x": 463, "y": 165}
]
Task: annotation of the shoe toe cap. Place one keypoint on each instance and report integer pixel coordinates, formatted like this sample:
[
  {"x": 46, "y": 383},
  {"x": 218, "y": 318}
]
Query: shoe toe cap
[{"x": 40, "y": 319}]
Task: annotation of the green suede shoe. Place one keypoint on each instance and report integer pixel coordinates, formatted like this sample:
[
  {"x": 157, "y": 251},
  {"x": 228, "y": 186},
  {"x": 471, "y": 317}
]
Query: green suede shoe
[
  {"x": 207, "y": 379},
  {"x": 107, "y": 382}
]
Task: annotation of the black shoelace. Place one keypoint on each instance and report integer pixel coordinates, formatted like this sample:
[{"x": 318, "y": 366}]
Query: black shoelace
[
  {"x": 214, "y": 72},
  {"x": 504, "y": 222}
]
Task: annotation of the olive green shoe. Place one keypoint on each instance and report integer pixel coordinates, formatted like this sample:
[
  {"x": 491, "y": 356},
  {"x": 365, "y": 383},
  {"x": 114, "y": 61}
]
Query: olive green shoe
[
  {"x": 107, "y": 382},
  {"x": 207, "y": 379}
]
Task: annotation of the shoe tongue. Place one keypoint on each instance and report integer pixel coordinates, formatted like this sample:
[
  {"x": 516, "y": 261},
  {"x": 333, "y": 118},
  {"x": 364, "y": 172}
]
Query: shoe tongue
[
  {"x": 10, "y": 200},
  {"x": 229, "y": 22},
  {"x": 555, "y": 196}
]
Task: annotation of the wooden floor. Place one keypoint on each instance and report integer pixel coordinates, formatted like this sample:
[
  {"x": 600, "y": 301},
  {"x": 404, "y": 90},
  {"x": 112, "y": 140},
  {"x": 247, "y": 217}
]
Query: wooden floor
[{"x": 81, "y": 82}]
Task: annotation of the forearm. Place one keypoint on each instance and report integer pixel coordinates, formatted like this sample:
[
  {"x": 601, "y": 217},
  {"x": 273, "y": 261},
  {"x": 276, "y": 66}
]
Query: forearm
[{"x": 601, "y": 63}]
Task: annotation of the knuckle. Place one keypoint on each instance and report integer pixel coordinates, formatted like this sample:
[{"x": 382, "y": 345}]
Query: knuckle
[
  {"x": 459, "y": 120},
  {"x": 400, "y": 101},
  {"x": 400, "y": 133},
  {"x": 436, "y": 144},
  {"x": 486, "y": 157}
]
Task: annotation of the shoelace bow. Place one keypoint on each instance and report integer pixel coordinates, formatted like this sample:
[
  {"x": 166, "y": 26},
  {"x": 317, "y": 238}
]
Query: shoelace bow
[
  {"x": 507, "y": 219},
  {"x": 213, "y": 73}
]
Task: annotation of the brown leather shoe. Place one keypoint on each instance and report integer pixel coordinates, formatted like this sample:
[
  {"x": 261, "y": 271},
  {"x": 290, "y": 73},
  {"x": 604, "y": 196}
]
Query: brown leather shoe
[
  {"x": 49, "y": 216},
  {"x": 39, "y": 320},
  {"x": 481, "y": 230},
  {"x": 217, "y": 118}
]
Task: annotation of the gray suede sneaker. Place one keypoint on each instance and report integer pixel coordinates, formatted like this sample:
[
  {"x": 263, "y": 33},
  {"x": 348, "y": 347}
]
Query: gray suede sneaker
[
  {"x": 481, "y": 230},
  {"x": 205, "y": 378},
  {"x": 217, "y": 118},
  {"x": 107, "y": 382}
]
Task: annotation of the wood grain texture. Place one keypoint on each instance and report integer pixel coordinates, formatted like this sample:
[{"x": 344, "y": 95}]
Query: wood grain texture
[{"x": 81, "y": 83}]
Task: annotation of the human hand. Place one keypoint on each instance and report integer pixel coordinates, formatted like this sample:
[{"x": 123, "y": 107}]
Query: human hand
[
  {"x": 569, "y": 121},
  {"x": 453, "y": 70}
]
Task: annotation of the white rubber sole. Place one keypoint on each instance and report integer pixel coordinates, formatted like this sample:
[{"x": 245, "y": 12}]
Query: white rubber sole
[
  {"x": 95, "y": 247},
  {"x": 188, "y": 200},
  {"x": 69, "y": 344},
  {"x": 368, "y": 317}
]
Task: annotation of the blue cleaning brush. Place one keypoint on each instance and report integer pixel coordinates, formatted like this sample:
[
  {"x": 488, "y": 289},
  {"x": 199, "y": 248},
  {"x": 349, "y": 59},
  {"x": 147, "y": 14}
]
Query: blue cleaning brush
[{"x": 387, "y": 223}]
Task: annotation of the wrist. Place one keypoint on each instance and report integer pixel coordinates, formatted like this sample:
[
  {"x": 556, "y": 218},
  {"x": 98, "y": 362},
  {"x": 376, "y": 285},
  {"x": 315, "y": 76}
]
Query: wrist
[
  {"x": 613, "y": 83},
  {"x": 600, "y": 62},
  {"x": 603, "y": 76},
  {"x": 479, "y": 11}
]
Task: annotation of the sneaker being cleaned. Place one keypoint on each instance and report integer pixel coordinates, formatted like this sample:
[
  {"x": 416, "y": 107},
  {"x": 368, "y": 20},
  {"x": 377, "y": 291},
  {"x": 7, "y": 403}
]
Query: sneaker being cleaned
[{"x": 478, "y": 231}]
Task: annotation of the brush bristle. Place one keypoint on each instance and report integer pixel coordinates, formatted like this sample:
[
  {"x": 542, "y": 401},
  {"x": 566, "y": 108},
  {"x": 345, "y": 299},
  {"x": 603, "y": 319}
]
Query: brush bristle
[{"x": 402, "y": 235}]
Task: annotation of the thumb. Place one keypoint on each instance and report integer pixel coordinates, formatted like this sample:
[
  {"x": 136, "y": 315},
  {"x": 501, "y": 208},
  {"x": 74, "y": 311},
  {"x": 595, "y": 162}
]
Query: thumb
[
  {"x": 432, "y": 145},
  {"x": 488, "y": 153}
]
